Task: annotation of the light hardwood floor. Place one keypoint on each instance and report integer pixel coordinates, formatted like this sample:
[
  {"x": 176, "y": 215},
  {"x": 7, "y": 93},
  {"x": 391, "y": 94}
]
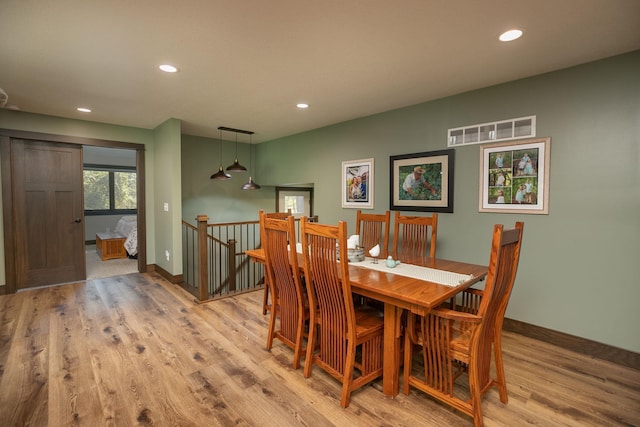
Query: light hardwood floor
[{"x": 136, "y": 350}]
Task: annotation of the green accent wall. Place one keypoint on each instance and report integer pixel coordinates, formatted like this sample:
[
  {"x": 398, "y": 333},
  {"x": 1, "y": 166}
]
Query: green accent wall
[
  {"x": 577, "y": 272},
  {"x": 167, "y": 191},
  {"x": 222, "y": 201}
]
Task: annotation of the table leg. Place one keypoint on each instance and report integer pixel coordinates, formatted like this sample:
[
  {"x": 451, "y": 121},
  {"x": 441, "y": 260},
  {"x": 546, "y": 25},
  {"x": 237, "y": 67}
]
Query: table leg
[{"x": 391, "y": 362}]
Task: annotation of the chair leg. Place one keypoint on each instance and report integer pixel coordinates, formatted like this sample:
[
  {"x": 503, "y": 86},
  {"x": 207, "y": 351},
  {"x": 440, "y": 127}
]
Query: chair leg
[
  {"x": 347, "y": 379},
  {"x": 272, "y": 328},
  {"x": 501, "y": 382},
  {"x": 265, "y": 298},
  {"x": 311, "y": 343},
  {"x": 475, "y": 397},
  {"x": 298, "y": 349}
]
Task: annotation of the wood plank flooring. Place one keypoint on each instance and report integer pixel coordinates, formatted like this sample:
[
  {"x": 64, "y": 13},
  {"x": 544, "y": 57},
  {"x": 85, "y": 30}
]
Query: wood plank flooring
[{"x": 136, "y": 350}]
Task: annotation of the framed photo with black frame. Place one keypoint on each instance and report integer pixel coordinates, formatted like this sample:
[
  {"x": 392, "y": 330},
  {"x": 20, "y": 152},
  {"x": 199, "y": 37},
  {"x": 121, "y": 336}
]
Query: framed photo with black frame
[
  {"x": 422, "y": 181},
  {"x": 514, "y": 177}
]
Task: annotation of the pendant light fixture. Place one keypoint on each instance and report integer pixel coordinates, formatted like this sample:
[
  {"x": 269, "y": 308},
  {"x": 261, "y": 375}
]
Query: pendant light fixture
[
  {"x": 250, "y": 185},
  {"x": 236, "y": 166},
  {"x": 221, "y": 174}
]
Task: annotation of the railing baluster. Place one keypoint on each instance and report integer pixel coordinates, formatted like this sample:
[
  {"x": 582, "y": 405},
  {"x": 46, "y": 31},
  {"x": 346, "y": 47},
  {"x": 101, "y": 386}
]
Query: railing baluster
[
  {"x": 214, "y": 258},
  {"x": 231, "y": 259},
  {"x": 203, "y": 270}
]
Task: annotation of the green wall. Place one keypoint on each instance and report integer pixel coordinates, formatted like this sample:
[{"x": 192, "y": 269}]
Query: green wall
[
  {"x": 167, "y": 192},
  {"x": 577, "y": 271},
  {"x": 221, "y": 201}
]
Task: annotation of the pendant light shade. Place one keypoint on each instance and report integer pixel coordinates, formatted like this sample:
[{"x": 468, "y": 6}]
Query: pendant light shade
[
  {"x": 236, "y": 166},
  {"x": 250, "y": 185},
  {"x": 221, "y": 174}
]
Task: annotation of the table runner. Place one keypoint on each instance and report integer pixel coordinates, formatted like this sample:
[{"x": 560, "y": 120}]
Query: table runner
[{"x": 442, "y": 277}]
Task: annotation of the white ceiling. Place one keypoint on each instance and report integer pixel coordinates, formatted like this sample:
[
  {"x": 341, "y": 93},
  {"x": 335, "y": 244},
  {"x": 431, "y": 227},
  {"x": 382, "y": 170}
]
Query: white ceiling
[{"x": 246, "y": 63}]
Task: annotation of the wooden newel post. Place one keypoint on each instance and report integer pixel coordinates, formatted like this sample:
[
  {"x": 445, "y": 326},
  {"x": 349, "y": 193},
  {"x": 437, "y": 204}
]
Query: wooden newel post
[
  {"x": 203, "y": 264},
  {"x": 232, "y": 265}
]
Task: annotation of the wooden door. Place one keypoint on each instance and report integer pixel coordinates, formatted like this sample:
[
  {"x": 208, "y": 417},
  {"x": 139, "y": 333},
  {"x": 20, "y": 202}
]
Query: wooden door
[{"x": 48, "y": 213}]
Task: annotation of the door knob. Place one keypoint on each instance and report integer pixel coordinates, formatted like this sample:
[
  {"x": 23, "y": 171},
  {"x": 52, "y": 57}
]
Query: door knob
[{"x": 78, "y": 220}]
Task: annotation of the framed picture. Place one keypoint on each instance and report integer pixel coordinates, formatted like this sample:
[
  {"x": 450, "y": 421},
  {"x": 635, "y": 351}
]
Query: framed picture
[
  {"x": 514, "y": 177},
  {"x": 422, "y": 181},
  {"x": 357, "y": 184}
]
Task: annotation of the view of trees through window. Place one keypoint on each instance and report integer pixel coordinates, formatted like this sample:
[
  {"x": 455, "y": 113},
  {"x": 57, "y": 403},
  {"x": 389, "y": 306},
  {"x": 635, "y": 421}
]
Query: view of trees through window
[
  {"x": 108, "y": 190},
  {"x": 125, "y": 190}
]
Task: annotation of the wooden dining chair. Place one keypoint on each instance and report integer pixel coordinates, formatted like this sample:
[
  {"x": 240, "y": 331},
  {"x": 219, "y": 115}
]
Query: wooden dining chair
[
  {"x": 289, "y": 301},
  {"x": 344, "y": 341},
  {"x": 266, "y": 304},
  {"x": 373, "y": 230},
  {"x": 277, "y": 215},
  {"x": 414, "y": 237},
  {"x": 460, "y": 340}
]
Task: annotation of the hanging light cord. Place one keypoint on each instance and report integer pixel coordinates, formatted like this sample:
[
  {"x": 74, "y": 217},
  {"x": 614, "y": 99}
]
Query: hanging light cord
[
  {"x": 250, "y": 185},
  {"x": 221, "y": 174}
]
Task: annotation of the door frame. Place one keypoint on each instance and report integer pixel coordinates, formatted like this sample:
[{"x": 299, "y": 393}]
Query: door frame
[
  {"x": 7, "y": 192},
  {"x": 309, "y": 190}
]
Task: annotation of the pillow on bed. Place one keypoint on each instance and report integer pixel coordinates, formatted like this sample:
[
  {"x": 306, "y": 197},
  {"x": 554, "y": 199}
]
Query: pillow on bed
[{"x": 125, "y": 225}]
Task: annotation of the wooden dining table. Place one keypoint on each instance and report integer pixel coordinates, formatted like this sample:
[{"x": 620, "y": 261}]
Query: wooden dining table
[{"x": 399, "y": 293}]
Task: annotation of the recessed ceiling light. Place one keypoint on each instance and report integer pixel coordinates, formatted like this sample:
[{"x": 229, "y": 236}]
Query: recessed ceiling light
[
  {"x": 84, "y": 110},
  {"x": 168, "y": 68},
  {"x": 302, "y": 105},
  {"x": 510, "y": 35}
]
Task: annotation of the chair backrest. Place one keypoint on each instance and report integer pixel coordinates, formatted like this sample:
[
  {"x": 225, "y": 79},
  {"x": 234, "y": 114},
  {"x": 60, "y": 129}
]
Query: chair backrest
[
  {"x": 276, "y": 215},
  {"x": 329, "y": 288},
  {"x": 503, "y": 265},
  {"x": 414, "y": 237},
  {"x": 273, "y": 215},
  {"x": 281, "y": 267},
  {"x": 373, "y": 230}
]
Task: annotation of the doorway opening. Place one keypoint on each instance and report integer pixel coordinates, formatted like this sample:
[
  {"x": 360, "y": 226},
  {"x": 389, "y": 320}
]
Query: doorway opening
[{"x": 110, "y": 211}]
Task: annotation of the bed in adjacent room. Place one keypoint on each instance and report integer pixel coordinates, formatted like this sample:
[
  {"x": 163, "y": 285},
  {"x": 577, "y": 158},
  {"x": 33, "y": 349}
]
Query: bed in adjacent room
[{"x": 128, "y": 227}]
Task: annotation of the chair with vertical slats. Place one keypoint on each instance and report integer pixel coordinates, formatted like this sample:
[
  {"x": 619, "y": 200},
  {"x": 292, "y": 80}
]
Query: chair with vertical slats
[
  {"x": 456, "y": 341},
  {"x": 266, "y": 305},
  {"x": 373, "y": 230},
  {"x": 414, "y": 237},
  {"x": 289, "y": 301},
  {"x": 344, "y": 341}
]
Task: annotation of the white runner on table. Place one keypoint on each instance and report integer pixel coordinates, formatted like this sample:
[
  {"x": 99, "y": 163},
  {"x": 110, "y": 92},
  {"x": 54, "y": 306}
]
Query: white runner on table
[{"x": 442, "y": 277}]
